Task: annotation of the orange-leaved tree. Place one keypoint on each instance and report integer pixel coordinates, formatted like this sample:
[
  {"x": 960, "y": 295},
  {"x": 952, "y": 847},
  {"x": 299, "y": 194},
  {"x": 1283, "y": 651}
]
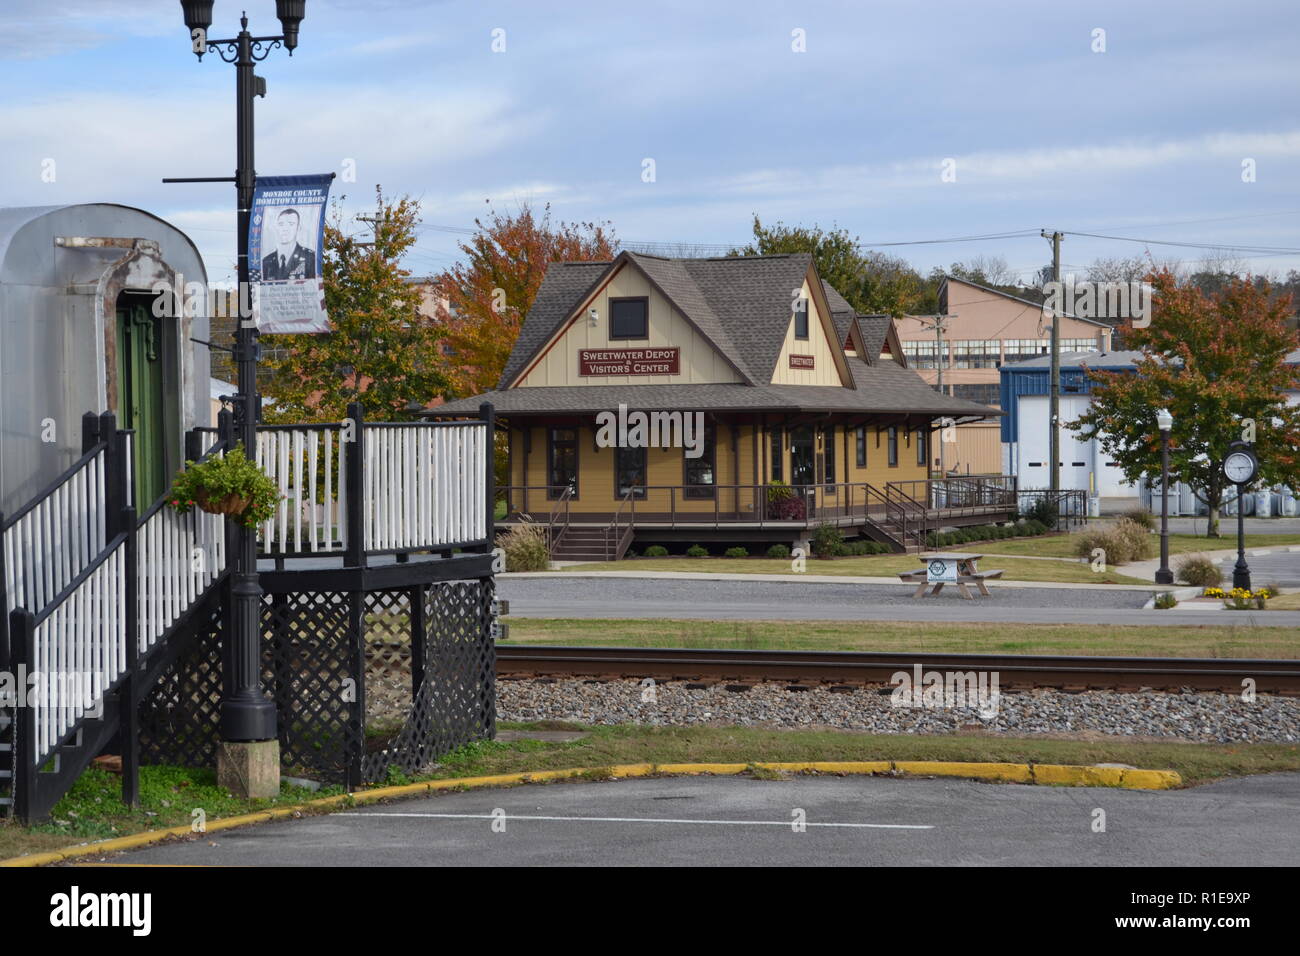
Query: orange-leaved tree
[
  {"x": 488, "y": 294},
  {"x": 1218, "y": 363}
]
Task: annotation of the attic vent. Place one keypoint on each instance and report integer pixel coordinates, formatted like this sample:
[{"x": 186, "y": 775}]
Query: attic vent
[{"x": 801, "y": 319}]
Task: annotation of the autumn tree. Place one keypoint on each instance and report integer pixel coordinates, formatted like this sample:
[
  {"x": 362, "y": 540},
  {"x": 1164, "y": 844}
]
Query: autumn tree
[
  {"x": 1217, "y": 362},
  {"x": 486, "y": 296},
  {"x": 380, "y": 350}
]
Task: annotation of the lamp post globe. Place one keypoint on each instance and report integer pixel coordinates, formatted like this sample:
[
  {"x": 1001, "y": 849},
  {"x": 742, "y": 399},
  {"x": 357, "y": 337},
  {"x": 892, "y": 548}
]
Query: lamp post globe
[
  {"x": 198, "y": 14},
  {"x": 1165, "y": 422},
  {"x": 291, "y": 13}
]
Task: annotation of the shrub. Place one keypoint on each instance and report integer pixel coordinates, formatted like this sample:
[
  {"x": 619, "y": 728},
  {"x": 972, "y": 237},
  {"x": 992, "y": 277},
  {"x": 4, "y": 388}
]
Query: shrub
[
  {"x": 1165, "y": 601},
  {"x": 630, "y": 553},
  {"x": 783, "y": 504},
  {"x": 656, "y": 551},
  {"x": 697, "y": 551},
  {"x": 1124, "y": 541},
  {"x": 1044, "y": 512},
  {"x": 778, "y": 551},
  {"x": 827, "y": 541},
  {"x": 737, "y": 552},
  {"x": 1198, "y": 571},
  {"x": 1140, "y": 516},
  {"x": 525, "y": 547}
]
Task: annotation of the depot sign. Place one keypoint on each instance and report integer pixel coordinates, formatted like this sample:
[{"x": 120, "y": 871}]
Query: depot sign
[{"x": 667, "y": 361}]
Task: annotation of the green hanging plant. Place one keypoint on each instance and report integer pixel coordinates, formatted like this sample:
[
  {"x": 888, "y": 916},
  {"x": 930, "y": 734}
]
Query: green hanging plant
[{"x": 230, "y": 485}]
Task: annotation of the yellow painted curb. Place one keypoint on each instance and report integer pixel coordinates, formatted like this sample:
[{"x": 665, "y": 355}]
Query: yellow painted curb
[{"x": 1058, "y": 774}]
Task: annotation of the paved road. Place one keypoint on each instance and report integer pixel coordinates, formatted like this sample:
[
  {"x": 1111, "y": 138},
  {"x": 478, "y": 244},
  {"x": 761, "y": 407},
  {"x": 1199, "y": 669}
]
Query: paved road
[
  {"x": 729, "y": 821},
  {"x": 574, "y": 596}
]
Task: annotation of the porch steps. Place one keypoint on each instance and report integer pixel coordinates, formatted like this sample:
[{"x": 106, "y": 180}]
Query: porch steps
[{"x": 581, "y": 544}]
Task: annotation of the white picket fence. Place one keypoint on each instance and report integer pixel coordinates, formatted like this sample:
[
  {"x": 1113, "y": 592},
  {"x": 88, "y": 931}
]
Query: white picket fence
[
  {"x": 178, "y": 557},
  {"x": 47, "y": 546},
  {"x": 425, "y": 485},
  {"x": 307, "y": 464},
  {"x": 80, "y": 651}
]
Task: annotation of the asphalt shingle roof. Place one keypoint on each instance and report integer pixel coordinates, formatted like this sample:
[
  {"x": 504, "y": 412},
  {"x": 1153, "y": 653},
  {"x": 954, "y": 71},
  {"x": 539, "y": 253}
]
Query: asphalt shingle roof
[
  {"x": 742, "y": 304},
  {"x": 886, "y": 388}
]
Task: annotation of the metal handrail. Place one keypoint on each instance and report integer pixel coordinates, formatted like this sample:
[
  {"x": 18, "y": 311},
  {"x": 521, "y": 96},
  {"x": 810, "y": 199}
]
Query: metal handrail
[
  {"x": 616, "y": 544},
  {"x": 561, "y": 508}
]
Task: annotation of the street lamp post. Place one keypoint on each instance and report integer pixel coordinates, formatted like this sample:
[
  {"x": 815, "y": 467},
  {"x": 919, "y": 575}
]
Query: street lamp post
[
  {"x": 1165, "y": 422},
  {"x": 246, "y": 713}
]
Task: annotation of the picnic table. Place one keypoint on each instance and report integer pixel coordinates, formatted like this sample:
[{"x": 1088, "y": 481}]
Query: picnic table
[{"x": 949, "y": 567}]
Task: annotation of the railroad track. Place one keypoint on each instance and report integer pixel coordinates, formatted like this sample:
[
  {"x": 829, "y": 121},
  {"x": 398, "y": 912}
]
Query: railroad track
[{"x": 852, "y": 668}]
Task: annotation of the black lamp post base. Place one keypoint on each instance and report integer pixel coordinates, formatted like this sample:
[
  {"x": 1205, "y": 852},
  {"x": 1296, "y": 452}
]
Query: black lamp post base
[
  {"x": 1241, "y": 577},
  {"x": 1164, "y": 576},
  {"x": 248, "y": 719}
]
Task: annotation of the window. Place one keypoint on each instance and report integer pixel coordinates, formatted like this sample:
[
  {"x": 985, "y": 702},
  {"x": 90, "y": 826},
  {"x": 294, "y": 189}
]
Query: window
[
  {"x": 629, "y": 472},
  {"x": 920, "y": 446},
  {"x": 629, "y": 318},
  {"x": 828, "y": 457},
  {"x": 801, "y": 319},
  {"x": 862, "y": 446},
  {"x": 985, "y": 394},
  {"x": 802, "y": 468},
  {"x": 698, "y": 473},
  {"x": 562, "y": 461},
  {"x": 893, "y": 447},
  {"x": 778, "y": 473}
]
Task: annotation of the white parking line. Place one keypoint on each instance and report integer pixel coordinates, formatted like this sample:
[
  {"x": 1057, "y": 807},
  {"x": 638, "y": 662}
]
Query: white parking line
[{"x": 733, "y": 823}]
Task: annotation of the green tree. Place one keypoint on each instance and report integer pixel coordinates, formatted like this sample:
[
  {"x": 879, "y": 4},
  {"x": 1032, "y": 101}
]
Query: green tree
[
  {"x": 872, "y": 282},
  {"x": 1217, "y": 362},
  {"x": 380, "y": 350}
]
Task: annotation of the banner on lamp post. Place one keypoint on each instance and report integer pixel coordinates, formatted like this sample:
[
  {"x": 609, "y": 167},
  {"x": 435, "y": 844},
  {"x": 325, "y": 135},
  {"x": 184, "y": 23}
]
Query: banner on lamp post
[{"x": 286, "y": 246}]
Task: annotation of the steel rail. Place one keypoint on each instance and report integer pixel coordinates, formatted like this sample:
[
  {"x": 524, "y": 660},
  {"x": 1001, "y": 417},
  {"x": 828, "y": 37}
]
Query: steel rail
[{"x": 867, "y": 668}]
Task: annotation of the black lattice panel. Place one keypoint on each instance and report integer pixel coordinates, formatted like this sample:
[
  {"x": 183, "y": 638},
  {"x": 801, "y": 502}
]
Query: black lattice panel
[
  {"x": 310, "y": 672},
  {"x": 451, "y": 700},
  {"x": 422, "y": 694},
  {"x": 179, "y": 713}
]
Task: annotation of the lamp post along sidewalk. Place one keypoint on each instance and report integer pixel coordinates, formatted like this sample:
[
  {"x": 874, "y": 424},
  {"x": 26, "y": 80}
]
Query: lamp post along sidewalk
[
  {"x": 1165, "y": 422},
  {"x": 248, "y": 758}
]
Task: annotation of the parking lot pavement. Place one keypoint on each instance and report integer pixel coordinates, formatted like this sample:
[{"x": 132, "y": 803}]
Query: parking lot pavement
[
  {"x": 574, "y": 596},
  {"x": 716, "y": 821}
]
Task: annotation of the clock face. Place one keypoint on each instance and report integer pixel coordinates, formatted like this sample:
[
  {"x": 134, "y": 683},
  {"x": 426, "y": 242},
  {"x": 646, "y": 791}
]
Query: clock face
[{"x": 1239, "y": 468}]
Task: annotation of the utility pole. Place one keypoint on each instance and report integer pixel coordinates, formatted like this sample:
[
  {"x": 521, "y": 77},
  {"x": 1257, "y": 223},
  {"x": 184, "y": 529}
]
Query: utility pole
[
  {"x": 1054, "y": 408},
  {"x": 940, "y": 326}
]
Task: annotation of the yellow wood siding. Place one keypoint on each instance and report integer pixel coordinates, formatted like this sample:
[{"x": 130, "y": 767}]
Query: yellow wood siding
[
  {"x": 819, "y": 344},
  {"x": 700, "y": 361}
]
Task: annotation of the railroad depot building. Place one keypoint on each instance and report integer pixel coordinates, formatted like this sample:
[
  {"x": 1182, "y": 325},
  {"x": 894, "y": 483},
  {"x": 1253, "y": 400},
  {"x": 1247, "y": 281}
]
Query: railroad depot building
[{"x": 762, "y": 375}]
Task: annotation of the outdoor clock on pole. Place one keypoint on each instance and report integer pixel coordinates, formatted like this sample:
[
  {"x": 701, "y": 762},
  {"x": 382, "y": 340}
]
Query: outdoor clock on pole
[{"x": 1240, "y": 467}]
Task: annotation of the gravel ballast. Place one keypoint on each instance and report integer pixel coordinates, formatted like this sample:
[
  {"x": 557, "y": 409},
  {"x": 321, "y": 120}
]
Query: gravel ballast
[{"x": 1201, "y": 717}]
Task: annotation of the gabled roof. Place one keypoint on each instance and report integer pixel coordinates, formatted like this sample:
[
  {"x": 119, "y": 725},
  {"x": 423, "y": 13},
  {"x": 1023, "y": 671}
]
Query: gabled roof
[
  {"x": 875, "y": 329},
  {"x": 739, "y": 303},
  {"x": 882, "y": 389},
  {"x": 564, "y": 285},
  {"x": 943, "y": 303}
]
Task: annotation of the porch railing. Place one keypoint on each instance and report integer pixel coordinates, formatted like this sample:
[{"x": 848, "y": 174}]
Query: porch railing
[
  {"x": 178, "y": 558},
  {"x": 56, "y": 536},
  {"x": 761, "y": 505},
  {"x": 356, "y": 487}
]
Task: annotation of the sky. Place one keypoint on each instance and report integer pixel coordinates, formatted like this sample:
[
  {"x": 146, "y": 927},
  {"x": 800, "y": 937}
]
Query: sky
[{"x": 903, "y": 122}]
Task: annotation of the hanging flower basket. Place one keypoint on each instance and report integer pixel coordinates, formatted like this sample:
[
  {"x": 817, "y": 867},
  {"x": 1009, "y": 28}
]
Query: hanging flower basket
[{"x": 229, "y": 485}]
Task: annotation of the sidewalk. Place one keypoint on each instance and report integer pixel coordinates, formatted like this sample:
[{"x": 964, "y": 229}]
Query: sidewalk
[{"x": 1147, "y": 569}]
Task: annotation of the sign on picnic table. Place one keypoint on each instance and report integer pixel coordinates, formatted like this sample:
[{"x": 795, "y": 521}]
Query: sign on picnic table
[{"x": 941, "y": 570}]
